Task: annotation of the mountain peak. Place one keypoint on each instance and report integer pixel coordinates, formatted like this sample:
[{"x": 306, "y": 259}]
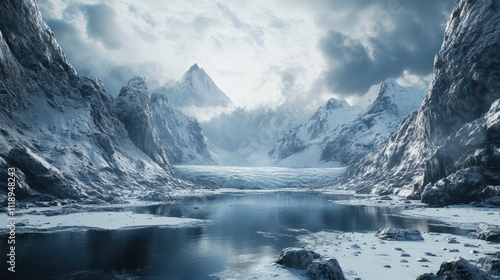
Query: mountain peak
[
  {"x": 334, "y": 103},
  {"x": 195, "y": 72},
  {"x": 138, "y": 83},
  {"x": 194, "y": 67},
  {"x": 389, "y": 84},
  {"x": 195, "y": 89}
]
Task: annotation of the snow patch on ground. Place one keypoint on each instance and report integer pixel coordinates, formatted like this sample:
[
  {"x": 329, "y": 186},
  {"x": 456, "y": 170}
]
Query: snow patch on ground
[
  {"x": 462, "y": 216},
  {"x": 96, "y": 220},
  {"x": 363, "y": 255}
]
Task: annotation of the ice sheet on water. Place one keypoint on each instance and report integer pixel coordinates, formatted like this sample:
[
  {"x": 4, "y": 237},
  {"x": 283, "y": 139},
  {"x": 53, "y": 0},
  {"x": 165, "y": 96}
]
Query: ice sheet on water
[{"x": 257, "y": 177}]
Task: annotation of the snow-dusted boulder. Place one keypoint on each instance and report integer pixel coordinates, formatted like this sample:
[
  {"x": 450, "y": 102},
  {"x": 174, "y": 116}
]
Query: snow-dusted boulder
[
  {"x": 490, "y": 264},
  {"x": 298, "y": 258},
  {"x": 488, "y": 232},
  {"x": 317, "y": 268},
  {"x": 397, "y": 234},
  {"x": 456, "y": 269},
  {"x": 325, "y": 269}
]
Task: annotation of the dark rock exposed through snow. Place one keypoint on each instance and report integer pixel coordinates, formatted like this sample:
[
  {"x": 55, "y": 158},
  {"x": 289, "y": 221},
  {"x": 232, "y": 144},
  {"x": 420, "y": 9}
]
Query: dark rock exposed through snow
[
  {"x": 456, "y": 269},
  {"x": 396, "y": 234},
  {"x": 317, "y": 268}
]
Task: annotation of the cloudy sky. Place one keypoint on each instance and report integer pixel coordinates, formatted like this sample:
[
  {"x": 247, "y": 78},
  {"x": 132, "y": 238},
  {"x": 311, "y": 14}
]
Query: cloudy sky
[{"x": 258, "y": 52}]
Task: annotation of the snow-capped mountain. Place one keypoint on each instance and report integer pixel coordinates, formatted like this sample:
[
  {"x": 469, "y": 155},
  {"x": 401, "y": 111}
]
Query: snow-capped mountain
[
  {"x": 342, "y": 134},
  {"x": 448, "y": 152},
  {"x": 181, "y": 136},
  {"x": 197, "y": 95},
  {"x": 310, "y": 135},
  {"x": 351, "y": 142},
  {"x": 58, "y": 129}
]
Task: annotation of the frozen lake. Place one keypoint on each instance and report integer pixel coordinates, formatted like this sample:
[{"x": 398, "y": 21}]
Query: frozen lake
[{"x": 245, "y": 232}]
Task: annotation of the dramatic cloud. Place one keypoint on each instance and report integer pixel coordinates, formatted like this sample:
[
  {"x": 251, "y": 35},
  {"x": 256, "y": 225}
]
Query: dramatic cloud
[
  {"x": 393, "y": 37},
  {"x": 258, "y": 52}
]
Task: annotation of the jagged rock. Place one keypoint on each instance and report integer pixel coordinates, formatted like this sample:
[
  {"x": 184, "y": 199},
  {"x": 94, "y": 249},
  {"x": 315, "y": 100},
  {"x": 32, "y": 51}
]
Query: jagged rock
[
  {"x": 488, "y": 232},
  {"x": 456, "y": 269},
  {"x": 21, "y": 189},
  {"x": 491, "y": 264},
  {"x": 325, "y": 269},
  {"x": 44, "y": 175},
  {"x": 396, "y": 234},
  {"x": 132, "y": 108},
  {"x": 298, "y": 258},
  {"x": 463, "y": 186}
]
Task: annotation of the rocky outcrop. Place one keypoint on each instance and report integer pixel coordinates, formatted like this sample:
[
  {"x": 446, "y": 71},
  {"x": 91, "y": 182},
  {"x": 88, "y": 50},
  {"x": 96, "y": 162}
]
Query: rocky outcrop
[
  {"x": 456, "y": 269},
  {"x": 456, "y": 129},
  {"x": 133, "y": 109},
  {"x": 316, "y": 267},
  {"x": 490, "y": 264},
  {"x": 488, "y": 232},
  {"x": 396, "y": 234},
  {"x": 298, "y": 258},
  {"x": 325, "y": 269}
]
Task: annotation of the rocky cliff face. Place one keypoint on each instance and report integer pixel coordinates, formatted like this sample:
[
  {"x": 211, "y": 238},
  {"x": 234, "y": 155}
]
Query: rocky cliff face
[
  {"x": 181, "y": 137},
  {"x": 448, "y": 152},
  {"x": 132, "y": 108},
  {"x": 58, "y": 129}
]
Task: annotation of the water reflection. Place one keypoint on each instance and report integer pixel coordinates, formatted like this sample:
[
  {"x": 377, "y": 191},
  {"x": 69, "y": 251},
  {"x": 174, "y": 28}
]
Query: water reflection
[{"x": 253, "y": 224}]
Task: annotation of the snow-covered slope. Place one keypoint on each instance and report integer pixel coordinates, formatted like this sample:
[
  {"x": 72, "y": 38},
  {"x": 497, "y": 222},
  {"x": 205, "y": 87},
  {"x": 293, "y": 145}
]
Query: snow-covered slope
[
  {"x": 342, "y": 134},
  {"x": 197, "y": 95},
  {"x": 58, "y": 129},
  {"x": 309, "y": 135},
  {"x": 351, "y": 142},
  {"x": 448, "y": 152},
  {"x": 181, "y": 136}
]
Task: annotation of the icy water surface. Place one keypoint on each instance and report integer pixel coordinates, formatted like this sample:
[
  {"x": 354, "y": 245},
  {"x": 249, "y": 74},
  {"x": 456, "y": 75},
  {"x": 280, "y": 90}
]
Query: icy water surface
[{"x": 244, "y": 224}]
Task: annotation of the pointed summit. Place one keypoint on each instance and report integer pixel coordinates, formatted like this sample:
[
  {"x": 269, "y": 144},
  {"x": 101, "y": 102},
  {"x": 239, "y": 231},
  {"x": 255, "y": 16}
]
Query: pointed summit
[
  {"x": 194, "y": 67},
  {"x": 195, "y": 89},
  {"x": 334, "y": 103}
]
